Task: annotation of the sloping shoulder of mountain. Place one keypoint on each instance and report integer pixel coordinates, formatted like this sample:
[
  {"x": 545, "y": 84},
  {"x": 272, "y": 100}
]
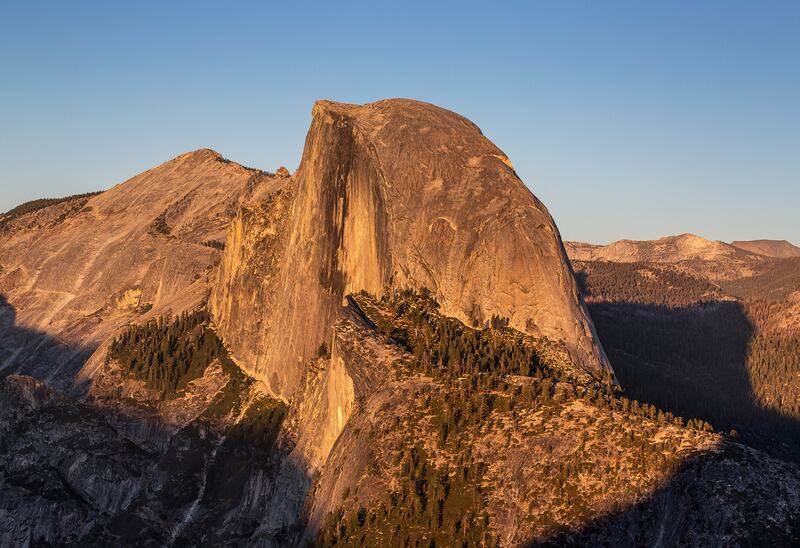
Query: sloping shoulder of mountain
[
  {"x": 780, "y": 249},
  {"x": 73, "y": 270}
]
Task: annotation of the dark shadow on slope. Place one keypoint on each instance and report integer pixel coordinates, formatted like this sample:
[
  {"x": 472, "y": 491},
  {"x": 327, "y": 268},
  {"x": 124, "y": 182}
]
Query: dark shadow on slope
[
  {"x": 729, "y": 498},
  {"x": 693, "y": 361},
  {"x": 689, "y": 355},
  {"x": 72, "y": 476},
  {"x": 90, "y": 475},
  {"x": 37, "y": 354}
]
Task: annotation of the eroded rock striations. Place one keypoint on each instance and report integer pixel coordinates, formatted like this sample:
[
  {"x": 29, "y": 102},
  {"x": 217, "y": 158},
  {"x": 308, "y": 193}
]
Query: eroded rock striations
[
  {"x": 393, "y": 194},
  {"x": 380, "y": 419},
  {"x": 72, "y": 273}
]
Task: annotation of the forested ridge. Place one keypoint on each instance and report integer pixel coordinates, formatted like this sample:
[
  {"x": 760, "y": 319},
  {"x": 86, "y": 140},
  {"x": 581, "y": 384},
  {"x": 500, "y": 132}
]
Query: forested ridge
[
  {"x": 472, "y": 402},
  {"x": 644, "y": 283},
  {"x": 495, "y": 381},
  {"x": 778, "y": 281},
  {"x": 674, "y": 342},
  {"x": 41, "y": 203},
  {"x": 168, "y": 353}
]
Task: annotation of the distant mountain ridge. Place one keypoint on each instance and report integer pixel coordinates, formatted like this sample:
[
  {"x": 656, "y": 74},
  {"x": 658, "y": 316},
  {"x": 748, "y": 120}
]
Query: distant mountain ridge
[
  {"x": 670, "y": 249},
  {"x": 388, "y": 347},
  {"x": 711, "y": 258},
  {"x": 781, "y": 249},
  {"x": 682, "y": 247},
  {"x": 702, "y": 328}
]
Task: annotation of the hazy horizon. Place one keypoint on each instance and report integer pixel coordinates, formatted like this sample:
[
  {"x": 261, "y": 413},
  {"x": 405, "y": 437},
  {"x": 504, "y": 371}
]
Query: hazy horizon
[{"x": 629, "y": 121}]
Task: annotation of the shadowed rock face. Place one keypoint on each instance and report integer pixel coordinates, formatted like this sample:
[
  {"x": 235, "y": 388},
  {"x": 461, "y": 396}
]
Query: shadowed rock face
[
  {"x": 74, "y": 272},
  {"x": 394, "y": 194}
]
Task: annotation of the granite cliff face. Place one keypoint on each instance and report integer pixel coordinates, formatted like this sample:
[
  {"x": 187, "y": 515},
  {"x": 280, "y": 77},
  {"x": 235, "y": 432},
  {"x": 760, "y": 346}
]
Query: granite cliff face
[
  {"x": 71, "y": 273},
  {"x": 416, "y": 460},
  {"x": 297, "y": 408},
  {"x": 393, "y": 194}
]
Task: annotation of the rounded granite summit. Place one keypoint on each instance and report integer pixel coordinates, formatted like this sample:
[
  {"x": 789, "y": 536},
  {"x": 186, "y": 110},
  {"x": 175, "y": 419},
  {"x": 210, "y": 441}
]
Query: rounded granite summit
[{"x": 401, "y": 193}]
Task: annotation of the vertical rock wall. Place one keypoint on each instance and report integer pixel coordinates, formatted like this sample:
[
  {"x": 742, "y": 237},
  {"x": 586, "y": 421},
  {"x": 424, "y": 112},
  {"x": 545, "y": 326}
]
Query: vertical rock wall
[{"x": 395, "y": 194}]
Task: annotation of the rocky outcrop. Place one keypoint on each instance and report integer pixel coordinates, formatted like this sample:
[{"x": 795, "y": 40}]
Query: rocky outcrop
[
  {"x": 246, "y": 294},
  {"x": 129, "y": 469},
  {"x": 71, "y": 273},
  {"x": 63, "y": 466},
  {"x": 394, "y": 194},
  {"x": 331, "y": 388}
]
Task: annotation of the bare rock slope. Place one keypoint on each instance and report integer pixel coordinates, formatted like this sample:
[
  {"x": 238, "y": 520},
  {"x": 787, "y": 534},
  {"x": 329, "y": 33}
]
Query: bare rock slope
[
  {"x": 713, "y": 259},
  {"x": 780, "y": 249},
  {"x": 393, "y": 194},
  {"x": 670, "y": 249},
  {"x": 71, "y": 273}
]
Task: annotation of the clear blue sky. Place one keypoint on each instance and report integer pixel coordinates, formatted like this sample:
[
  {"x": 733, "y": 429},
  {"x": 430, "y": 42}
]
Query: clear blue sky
[{"x": 628, "y": 119}]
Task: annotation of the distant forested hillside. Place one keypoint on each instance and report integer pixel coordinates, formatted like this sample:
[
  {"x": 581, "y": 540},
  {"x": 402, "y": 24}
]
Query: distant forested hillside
[
  {"x": 644, "y": 283},
  {"x": 779, "y": 280},
  {"x": 41, "y": 203},
  {"x": 680, "y": 342}
]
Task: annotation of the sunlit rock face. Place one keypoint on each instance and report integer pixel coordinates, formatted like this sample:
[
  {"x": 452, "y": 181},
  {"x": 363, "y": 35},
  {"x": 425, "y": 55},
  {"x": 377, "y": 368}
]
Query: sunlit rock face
[
  {"x": 72, "y": 273},
  {"x": 771, "y": 248},
  {"x": 712, "y": 259},
  {"x": 393, "y": 194}
]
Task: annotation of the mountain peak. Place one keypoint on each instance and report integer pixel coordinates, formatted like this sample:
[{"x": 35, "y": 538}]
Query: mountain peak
[
  {"x": 418, "y": 120},
  {"x": 200, "y": 154},
  {"x": 396, "y": 193},
  {"x": 693, "y": 243},
  {"x": 669, "y": 249},
  {"x": 689, "y": 237}
]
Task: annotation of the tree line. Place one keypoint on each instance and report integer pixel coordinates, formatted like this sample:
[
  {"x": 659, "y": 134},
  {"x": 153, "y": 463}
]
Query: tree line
[
  {"x": 483, "y": 376},
  {"x": 734, "y": 363},
  {"x": 167, "y": 353}
]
